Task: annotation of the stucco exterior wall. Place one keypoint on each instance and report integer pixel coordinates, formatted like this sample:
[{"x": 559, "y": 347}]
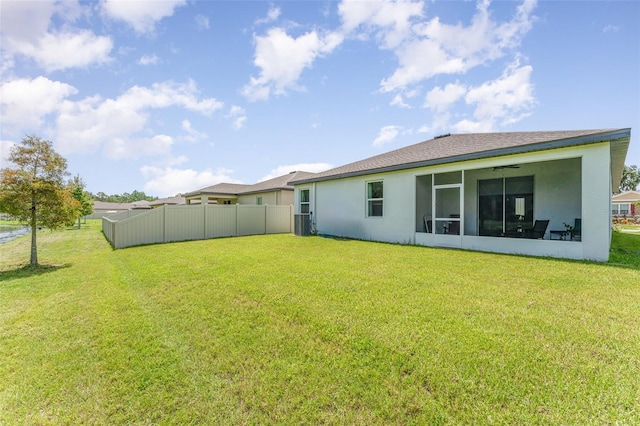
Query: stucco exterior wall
[
  {"x": 569, "y": 183},
  {"x": 272, "y": 198}
]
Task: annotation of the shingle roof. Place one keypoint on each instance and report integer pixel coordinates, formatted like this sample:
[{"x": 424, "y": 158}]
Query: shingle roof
[
  {"x": 280, "y": 182},
  {"x": 221, "y": 188},
  {"x": 626, "y": 196},
  {"x": 177, "y": 200},
  {"x": 104, "y": 205},
  {"x": 277, "y": 183},
  {"x": 461, "y": 147}
]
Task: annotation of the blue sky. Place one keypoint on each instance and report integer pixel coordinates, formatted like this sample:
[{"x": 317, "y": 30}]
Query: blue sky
[{"x": 171, "y": 96}]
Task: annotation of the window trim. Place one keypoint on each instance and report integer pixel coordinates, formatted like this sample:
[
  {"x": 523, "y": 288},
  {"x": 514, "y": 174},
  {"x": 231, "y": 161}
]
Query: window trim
[
  {"x": 305, "y": 203},
  {"x": 368, "y": 210},
  {"x": 617, "y": 206}
]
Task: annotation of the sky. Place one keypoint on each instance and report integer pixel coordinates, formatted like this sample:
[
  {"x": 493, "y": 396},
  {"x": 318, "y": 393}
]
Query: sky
[{"x": 171, "y": 96}]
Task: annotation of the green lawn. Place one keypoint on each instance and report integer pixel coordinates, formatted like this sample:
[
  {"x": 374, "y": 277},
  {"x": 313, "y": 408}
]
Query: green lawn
[{"x": 307, "y": 330}]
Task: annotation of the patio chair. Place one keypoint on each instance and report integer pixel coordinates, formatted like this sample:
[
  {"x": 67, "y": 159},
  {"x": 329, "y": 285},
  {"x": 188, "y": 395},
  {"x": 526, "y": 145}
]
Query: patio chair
[
  {"x": 427, "y": 224},
  {"x": 577, "y": 229},
  {"x": 538, "y": 230},
  {"x": 453, "y": 227}
]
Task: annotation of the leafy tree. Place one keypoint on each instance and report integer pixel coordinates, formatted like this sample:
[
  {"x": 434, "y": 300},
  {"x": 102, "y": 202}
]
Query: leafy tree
[
  {"x": 79, "y": 194},
  {"x": 122, "y": 198},
  {"x": 630, "y": 178},
  {"x": 34, "y": 192}
]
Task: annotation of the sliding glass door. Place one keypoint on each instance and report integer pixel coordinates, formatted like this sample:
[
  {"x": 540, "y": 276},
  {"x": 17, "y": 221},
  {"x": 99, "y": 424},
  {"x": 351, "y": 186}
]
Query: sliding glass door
[{"x": 505, "y": 206}]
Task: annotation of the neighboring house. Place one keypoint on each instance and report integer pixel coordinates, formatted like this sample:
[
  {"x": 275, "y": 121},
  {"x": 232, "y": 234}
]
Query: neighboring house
[
  {"x": 171, "y": 201},
  {"x": 103, "y": 208},
  {"x": 477, "y": 191},
  {"x": 625, "y": 204},
  {"x": 276, "y": 191},
  {"x": 141, "y": 205}
]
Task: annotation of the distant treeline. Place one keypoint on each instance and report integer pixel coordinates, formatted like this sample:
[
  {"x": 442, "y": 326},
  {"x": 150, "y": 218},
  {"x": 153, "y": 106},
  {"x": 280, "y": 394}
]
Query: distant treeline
[{"x": 122, "y": 198}]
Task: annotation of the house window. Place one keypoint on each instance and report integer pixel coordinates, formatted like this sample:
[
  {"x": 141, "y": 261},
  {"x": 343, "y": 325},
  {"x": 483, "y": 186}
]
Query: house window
[
  {"x": 621, "y": 209},
  {"x": 505, "y": 206},
  {"x": 374, "y": 199},
  {"x": 226, "y": 202},
  {"x": 304, "y": 201},
  {"x": 259, "y": 201}
]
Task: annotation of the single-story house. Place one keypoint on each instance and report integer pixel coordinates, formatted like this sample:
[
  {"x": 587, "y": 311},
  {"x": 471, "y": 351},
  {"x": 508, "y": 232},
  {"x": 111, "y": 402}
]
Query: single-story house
[
  {"x": 178, "y": 200},
  {"x": 516, "y": 192},
  {"x": 626, "y": 204},
  {"x": 276, "y": 191},
  {"x": 104, "y": 208}
]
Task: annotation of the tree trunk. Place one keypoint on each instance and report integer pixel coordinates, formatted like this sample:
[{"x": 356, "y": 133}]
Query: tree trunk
[{"x": 34, "y": 229}]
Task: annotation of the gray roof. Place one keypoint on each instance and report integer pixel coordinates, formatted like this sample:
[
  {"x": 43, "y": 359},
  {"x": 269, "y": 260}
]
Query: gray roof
[
  {"x": 177, "y": 200},
  {"x": 461, "y": 147},
  {"x": 220, "y": 188},
  {"x": 104, "y": 205},
  {"x": 278, "y": 183}
]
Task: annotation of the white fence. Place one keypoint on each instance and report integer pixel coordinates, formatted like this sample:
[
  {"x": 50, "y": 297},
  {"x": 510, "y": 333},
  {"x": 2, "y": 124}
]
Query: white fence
[{"x": 197, "y": 222}]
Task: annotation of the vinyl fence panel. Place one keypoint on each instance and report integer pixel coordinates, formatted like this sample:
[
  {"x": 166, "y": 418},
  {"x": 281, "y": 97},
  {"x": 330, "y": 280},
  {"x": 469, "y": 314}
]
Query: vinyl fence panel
[
  {"x": 140, "y": 229},
  {"x": 251, "y": 220},
  {"x": 182, "y": 223},
  {"x": 221, "y": 221},
  {"x": 278, "y": 220}
]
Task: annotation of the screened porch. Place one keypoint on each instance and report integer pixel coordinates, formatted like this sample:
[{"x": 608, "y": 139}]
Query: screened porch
[{"x": 502, "y": 201}]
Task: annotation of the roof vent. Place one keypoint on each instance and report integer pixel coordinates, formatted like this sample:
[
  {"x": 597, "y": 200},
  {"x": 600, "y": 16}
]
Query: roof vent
[{"x": 442, "y": 136}]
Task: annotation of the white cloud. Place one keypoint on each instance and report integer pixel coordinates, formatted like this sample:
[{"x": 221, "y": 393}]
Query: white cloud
[
  {"x": 25, "y": 102},
  {"x": 390, "y": 21},
  {"x": 238, "y": 117},
  {"x": 141, "y": 15},
  {"x": 202, "y": 22},
  {"x": 25, "y": 31},
  {"x": 168, "y": 93},
  {"x": 300, "y": 167},
  {"x": 398, "y": 101},
  {"x": 507, "y": 99},
  {"x": 148, "y": 60},
  {"x": 131, "y": 148},
  {"x": 57, "y": 51},
  {"x": 169, "y": 181},
  {"x": 440, "y": 122},
  {"x": 470, "y": 126},
  {"x": 192, "y": 134},
  {"x": 24, "y": 21},
  {"x": 5, "y": 148},
  {"x": 500, "y": 102},
  {"x": 93, "y": 122},
  {"x": 611, "y": 28},
  {"x": 441, "y": 99},
  {"x": 282, "y": 58},
  {"x": 387, "y": 134},
  {"x": 272, "y": 15},
  {"x": 436, "y": 48}
]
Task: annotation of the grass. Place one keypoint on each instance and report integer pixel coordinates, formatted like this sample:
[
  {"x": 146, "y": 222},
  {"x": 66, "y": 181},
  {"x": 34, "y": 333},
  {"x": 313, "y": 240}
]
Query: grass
[{"x": 283, "y": 329}]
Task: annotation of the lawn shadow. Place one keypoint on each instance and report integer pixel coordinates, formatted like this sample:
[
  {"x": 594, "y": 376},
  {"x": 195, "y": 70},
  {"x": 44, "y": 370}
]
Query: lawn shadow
[{"x": 30, "y": 271}]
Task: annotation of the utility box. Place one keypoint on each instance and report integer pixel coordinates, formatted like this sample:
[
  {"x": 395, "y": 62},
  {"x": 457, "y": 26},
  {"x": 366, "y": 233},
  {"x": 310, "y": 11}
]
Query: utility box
[{"x": 302, "y": 224}]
